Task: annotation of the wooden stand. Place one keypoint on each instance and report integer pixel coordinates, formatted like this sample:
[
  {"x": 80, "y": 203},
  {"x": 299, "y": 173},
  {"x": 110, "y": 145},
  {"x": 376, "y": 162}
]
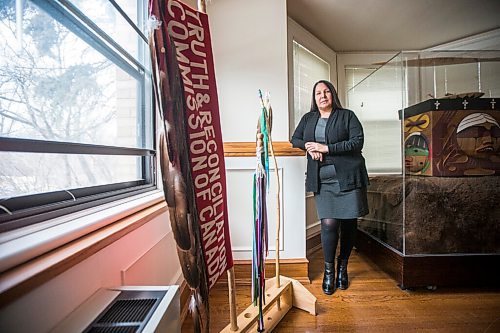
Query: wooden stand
[
  {"x": 289, "y": 293},
  {"x": 281, "y": 292}
]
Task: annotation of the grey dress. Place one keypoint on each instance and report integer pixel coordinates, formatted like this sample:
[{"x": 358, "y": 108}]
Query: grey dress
[{"x": 330, "y": 201}]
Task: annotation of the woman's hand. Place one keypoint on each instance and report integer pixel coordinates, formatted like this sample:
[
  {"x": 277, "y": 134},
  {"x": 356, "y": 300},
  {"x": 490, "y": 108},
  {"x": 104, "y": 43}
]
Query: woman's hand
[
  {"x": 316, "y": 147},
  {"x": 316, "y": 155},
  {"x": 316, "y": 150}
]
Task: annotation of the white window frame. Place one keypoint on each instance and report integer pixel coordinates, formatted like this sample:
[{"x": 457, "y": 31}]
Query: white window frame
[{"x": 300, "y": 35}]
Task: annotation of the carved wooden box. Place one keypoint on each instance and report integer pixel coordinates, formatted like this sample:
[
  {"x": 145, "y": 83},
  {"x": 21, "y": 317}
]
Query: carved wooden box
[{"x": 452, "y": 137}]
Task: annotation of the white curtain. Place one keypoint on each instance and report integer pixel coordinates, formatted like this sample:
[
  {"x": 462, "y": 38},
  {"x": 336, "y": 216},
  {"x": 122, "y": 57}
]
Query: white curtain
[
  {"x": 376, "y": 97},
  {"x": 308, "y": 68}
]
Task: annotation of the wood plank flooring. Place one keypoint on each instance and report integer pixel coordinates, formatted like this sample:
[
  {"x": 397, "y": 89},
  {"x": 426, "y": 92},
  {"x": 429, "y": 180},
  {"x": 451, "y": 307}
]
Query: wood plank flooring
[{"x": 374, "y": 303}]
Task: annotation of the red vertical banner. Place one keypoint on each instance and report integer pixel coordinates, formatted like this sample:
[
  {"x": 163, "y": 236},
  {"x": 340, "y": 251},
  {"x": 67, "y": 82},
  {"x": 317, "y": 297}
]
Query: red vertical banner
[{"x": 189, "y": 30}]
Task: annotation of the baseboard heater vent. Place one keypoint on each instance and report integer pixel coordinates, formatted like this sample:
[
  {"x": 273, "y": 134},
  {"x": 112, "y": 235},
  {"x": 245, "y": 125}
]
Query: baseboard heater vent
[{"x": 127, "y": 310}]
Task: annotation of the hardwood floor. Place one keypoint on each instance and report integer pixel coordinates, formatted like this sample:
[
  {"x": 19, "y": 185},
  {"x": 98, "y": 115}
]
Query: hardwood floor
[{"x": 374, "y": 303}]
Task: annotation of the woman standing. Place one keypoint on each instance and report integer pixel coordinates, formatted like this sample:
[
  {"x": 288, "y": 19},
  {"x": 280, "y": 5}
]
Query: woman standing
[{"x": 336, "y": 173}]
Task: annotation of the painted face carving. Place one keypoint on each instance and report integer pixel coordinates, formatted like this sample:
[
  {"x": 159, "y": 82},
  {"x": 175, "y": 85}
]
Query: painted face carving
[
  {"x": 478, "y": 135},
  {"x": 416, "y": 153}
]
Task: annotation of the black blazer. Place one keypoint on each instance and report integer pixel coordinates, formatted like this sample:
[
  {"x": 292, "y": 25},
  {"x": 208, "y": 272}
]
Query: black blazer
[{"x": 345, "y": 138}]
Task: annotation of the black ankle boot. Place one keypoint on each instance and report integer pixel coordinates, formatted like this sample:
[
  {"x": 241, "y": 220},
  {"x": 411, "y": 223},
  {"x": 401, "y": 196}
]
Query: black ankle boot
[
  {"x": 342, "y": 281},
  {"x": 329, "y": 278}
]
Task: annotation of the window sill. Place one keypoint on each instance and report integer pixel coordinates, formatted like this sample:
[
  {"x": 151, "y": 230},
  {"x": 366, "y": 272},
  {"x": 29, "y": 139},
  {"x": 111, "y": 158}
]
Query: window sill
[{"x": 27, "y": 258}]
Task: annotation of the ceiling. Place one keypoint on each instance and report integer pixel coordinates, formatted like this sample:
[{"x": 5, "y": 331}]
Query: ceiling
[{"x": 393, "y": 25}]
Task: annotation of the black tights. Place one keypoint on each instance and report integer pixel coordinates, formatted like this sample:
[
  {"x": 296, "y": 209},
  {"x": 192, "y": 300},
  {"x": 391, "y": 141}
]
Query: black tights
[{"x": 330, "y": 237}]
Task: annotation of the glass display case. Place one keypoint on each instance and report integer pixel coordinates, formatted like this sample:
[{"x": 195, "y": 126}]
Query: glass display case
[{"x": 432, "y": 148}]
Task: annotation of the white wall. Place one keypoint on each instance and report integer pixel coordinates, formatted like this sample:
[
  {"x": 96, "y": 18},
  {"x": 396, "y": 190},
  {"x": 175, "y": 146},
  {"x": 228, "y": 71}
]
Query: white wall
[
  {"x": 292, "y": 207},
  {"x": 146, "y": 256},
  {"x": 249, "y": 40},
  {"x": 249, "y": 46}
]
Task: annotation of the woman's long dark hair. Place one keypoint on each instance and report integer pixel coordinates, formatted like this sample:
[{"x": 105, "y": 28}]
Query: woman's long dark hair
[{"x": 335, "y": 103}]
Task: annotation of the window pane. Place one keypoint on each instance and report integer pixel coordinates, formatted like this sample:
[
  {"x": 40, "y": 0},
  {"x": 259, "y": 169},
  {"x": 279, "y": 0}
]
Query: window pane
[
  {"x": 30, "y": 173},
  {"x": 375, "y": 99},
  {"x": 308, "y": 68},
  {"x": 54, "y": 86},
  {"x": 104, "y": 15}
]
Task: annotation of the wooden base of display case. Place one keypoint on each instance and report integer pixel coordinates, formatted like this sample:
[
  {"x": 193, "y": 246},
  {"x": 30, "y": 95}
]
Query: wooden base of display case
[{"x": 457, "y": 270}]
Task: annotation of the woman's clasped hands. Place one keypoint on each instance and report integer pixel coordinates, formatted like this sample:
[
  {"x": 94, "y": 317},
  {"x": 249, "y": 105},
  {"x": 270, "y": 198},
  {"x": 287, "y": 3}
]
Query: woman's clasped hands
[{"x": 316, "y": 150}]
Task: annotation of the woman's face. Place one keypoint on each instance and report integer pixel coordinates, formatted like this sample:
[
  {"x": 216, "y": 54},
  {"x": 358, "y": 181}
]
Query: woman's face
[{"x": 323, "y": 97}]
